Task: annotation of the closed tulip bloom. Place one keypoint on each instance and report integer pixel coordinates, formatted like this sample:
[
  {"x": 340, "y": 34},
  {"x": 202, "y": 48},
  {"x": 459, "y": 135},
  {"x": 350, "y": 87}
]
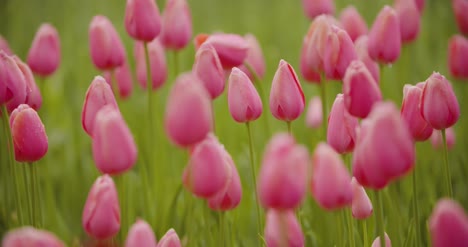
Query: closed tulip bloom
[
  {"x": 170, "y": 239},
  {"x": 361, "y": 207},
  {"x": 376, "y": 242},
  {"x": 360, "y": 90},
  {"x": 254, "y": 57},
  {"x": 286, "y": 96},
  {"x": 338, "y": 53},
  {"x": 448, "y": 224},
  {"x": 176, "y": 25},
  {"x": 140, "y": 235},
  {"x": 353, "y": 23},
  {"x": 313, "y": 8},
  {"x": 123, "y": 80},
  {"x": 363, "y": 54},
  {"x": 4, "y": 46},
  {"x": 44, "y": 54},
  {"x": 142, "y": 19},
  {"x": 341, "y": 131},
  {"x": 157, "y": 64},
  {"x": 418, "y": 127},
  {"x": 232, "y": 49},
  {"x": 460, "y": 7},
  {"x": 98, "y": 95},
  {"x": 33, "y": 95},
  {"x": 283, "y": 229},
  {"x": 436, "y": 138},
  {"x": 209, "y": 70},
  {"x": 283, "y": 176},
  {"x": 410, "y": 19},
  {"x": 439, "y": 105},
  {"x": 188, "y": 117},
  {"x": 28, "y": 134},
  {"x": 420, "y": 4},
  {"x": 457, "y": 54},
  {"x": 384, "y": 43},
  {"x": 384, "y": 149},
  {"x": 101, "y": 214},
  {"x": 28, "y": 236},
  {"x": 243, "y": 100},
  {"x": 314, "y": 117},
  {"x": 307, "y": 71},
  {"x": 107, "y": 50},
  {"x": 12, "y": 81}
]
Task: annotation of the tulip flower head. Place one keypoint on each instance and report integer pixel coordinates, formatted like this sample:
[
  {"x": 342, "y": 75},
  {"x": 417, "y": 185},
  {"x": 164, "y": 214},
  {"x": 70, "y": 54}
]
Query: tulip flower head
[
  {"x": 107, "y": 50},
  {"x": 457, "y": 53},
  {"x": 243, "y": 100},
  {"x": 436, "y": 138},
  {"x": 33, "y": 95},
  {"x": 460, "y": 7},
  {"x": 140, "y": 234},
  {"x": 338, "y": 53},
  {"x": 44, "y": 54},
  {"x": 341, "y": 131},
  {"x": 232, "y": 49},
  {"x": 12, "y": 81},
  {"x": 313, "y": 8},
  {"x": 376, "y": 242},
  {"x": 254, "y": 58},
  {"x": 29, "y": 236},
  {"x": 419, "y": 128},
  {"x": 123, "y": 78},
  {"x": 170, "y": 239},
  {"x": 142, "y": 19},
  {"x": 409, "y": 19},
  {"x": 314, "y": 117},
  {"x": 448, "y": 224},
  {"x": 209, "y": 70},
  {"x": 363, "y": 55},
  {"x": 4, "y": 46},
  {"x": 176, "y": 29},
  {"x": 283, "y": 229},
  {"x": 384, "y": 43},
  {"x": 361, "y": 206},
  {"x": 158, "y": 64},
  {"x": 353, "y": 23}
]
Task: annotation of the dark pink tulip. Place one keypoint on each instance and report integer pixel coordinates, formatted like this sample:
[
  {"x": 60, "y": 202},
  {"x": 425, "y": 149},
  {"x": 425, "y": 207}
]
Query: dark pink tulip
[
  {"x": 361, "y": 206},
  {"x": 418, "y": 127},
  {"x": 98, "y": 95},
  {"x": 157, "y": 62},
  {"x": 420, "y": 4},
  {"x": 209, "y": 70},
  {"x": 409, "y": 19},
  {"x": 122, "y": 77},
  {"x": 107, "y": 50},
  {"x": 436, "y": 138},
  {"x": 457, "y": 54},
  {"x": 188, "y": 117},
  {"x": 384, "y": 149},
  {"x": 254, "y": 57},
  {"x": 338, "y": 54},
  {"x": 286, "y": 96},
  {"x": 313, "y": 8},
  {"x": 283, "y": 176},
  {"x": 170, "y": 239},
  {"x": 363, "y": 55},
  {"x": 439, "y": 105},
  {"x": 448, "y": 224},
  {"x": 243, "y": 100},
  {"x": 12, "y": 81},
  {"x": 331, "y": 182},
  {"x": 44, "y": 54},
  {"x": 142, "y": 19},
  {"x": 353, "y": 23},
  {"x": 283, "y": 229},
  {"x": 4, "y": 46},
  {"x": 376, "y": 242},
  {"x": 101, "y": 213},
  {"x": 341, "y": 131},
  {"x": 360, "y": 90},
  {"x": 33, "y": 95},
  {"x": 460, "y": 7},
  {"x": 28, "y": 236},
  {"x": 314, "y": 116},
  {"x": 384, "y": 43},
  {"x": 176, "y": 25},
  {"x": 232, "y": 49},
  {"x": 140, "y": 235},
  {"x": 28, "y": 134}
]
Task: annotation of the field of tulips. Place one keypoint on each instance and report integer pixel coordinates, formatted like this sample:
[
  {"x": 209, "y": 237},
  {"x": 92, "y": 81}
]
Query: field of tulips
[{"x": 232, "y": 146}]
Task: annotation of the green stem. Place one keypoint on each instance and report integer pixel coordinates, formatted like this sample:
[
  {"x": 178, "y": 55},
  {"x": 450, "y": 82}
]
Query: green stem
[
  {"x": 28, "y": 193},
  {"x": 380, "y": 218},
  {"x": 221, "y": 228},
  {"x": 416, "y": 209},
  {"x": 176, "y": 63},
  {"x": 350, "y": 227},
  {"x": 114, "y": 85},
  {"x": 258, "y": 85},
  {"x": 364, "y": 233},
  {"x": 289, "y": 127},
  {"x": 33, "y": 194},
  {"x": 120, "y": 180},
  {"x": 323, "y": 95},
  {"x": 448, "y": 179},
  {"x": 339, "y": 219},
  {"x": 36, "y": 196}
]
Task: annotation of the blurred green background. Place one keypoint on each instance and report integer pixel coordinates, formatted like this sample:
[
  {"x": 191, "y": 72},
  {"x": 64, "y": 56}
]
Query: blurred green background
[{"x": 68, "y": 171}]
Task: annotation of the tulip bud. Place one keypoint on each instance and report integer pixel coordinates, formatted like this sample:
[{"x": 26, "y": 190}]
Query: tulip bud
[
  {"x": 457, "y": 54},
  {"x": 107, "y": 50},
  {"x": 283, "y": 229},
  {"x": 176, "y": 25},
  {"x": 140, "y": 234},
  {"x": 410, "y": 113},
  {"x": 123, "y": 78},
  {"x": 460, "y": 7},
  {"x": 338, "y": 53},
  {"x": 33, "y": 95},
  {"x": 376, "y": 242},
  {"x": 208, "y": 69},
  {"x": 44, "y": 54},
  {"x": 244, "y": 102},
  {"x": 314, "y": 117},
  {"x": 4, "y": 46},
  {"x": 341, "y": 131},
  {"x": 231, "y": 48},
  {"x": 361, "y": 206},
  {"x": 101, "y": 214},
  {"x": 29, "y": 236},
  {"x": 157, "y": 64},
  {"x": 98, "y": 95},
  {"x": 254, "y": 58},
  {"x": 436, "y": 138},
  {"x": 360, "y": 90},
  {"x": 188, "y": 117},
  {"x": 384, "y": 43},
  {"x": 313, "y": 8},
  {"x": 353, "y": 23},
  {"x": 448, "y": 224},
  {"x": 142, "y": 20},
  {"x": 363, "y": 55},
  {"x": 409, "y": 19},
  {"x": 170, "y": 239},
  {"x": 439, "y": 105},
  {"x": 420, "y": 4},
  {"x": 28, "y": 134},
  {"x": 12, "y": 81},
  {"x": 286, "y": 96}
]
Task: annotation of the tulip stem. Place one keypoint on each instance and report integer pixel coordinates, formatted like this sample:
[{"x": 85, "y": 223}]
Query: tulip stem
[
  {"x": 28, "y": 193},
  {"x": 416, "y": 209},
  {"x": 120, "y": 179},
  {"x": 114, "y": 86},
  {"x": 254, "y": 176},
  {"x": 448, "y": 180},
  {"x": 380, "y": 218},
  {"x": 364, "y": 233},
  {"x": 258, "y": 85},
  {"x": 221, "y": 228},
  {"x": 176, "y": 63},
  {"x": 33, "y": 194},
  {"x": 37, "y": 210},
  {"x": 323, "y": 95},
  {"x": 350, "y": 227},
  {"x": 289, "y": 127}
]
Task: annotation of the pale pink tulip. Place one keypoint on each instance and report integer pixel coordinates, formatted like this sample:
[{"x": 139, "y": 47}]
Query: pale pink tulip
[
  {"x": 106, "y": 48},
  {"x": 409, "y": 19},
  {"x": 243, "y": 100},
  {"x": 313, "y": 8},
  {"x": 341, "y": 131},
  {"x": 28, "y": 236},
  {"x": 460, "y": 8},
  {"x": 44, "y": 54},
  {"x": 232, "y": 49},
  {"x": 448, "y": 224},
  {"x": 314, "y": 116},
  {"x": 353, "y": 23},
  {"x": 338, "y": 54},
  {"x": 283, "y": 229},
  {"x": 170, "y": 239},
  {"x": 376, "y": 242},
  {"x": 142, "y": 19},
  {"x": 140, "y": 235},
  {"x": 436, "y": 138},
  {"x": 122, "y": 78},
  {"x": 176, "y": 29},
  {"x": 384, "y": 43},
  {"x": 158, "y": 64},
  {"x": 361, "y": 206},
  {"x": 209, "y": 70}
]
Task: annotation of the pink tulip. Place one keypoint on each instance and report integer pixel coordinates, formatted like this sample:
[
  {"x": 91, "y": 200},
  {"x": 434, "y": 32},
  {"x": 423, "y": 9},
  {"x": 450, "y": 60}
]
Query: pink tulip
[
  {"x": 283, "y": 176},
  {"x": 341, "y": 131},
  {"x": 157, "y": 62},
  {"x": 331, "y": 182},
  {"x": 12, "y": 81},
  {"x": 122, "y": 77},
  {"x": 314, "y": 117},
  {"x": 283, "y": 229},
  {"x": 439, "y": 105},
  {"x": 306, "y": 71},
  {"x": 457, "y": 54},
  {"x": 313, "y": 8},
  {"x": 28, "y": 134},
  {"x": 376, "y": 242},
  {"x": 384, "y": 149},
  {"x": 338, "y": 54},
  {"x": 460, "y": 7},
  {"x": 254, "y": 58},
  {"x": 107, "y": 50},
  {"x": 361, "y": 206},
  {"x": 98, "y": 95},
  {"x": 418, "y": 127},
  {"x": 420, "y": 4},
  {"x": 188, "y": 117},
  {"x": 142, "y": 19},
  {"x": 101, "y": 214},
  {"x": 4, "y": 46},
  {"x": 33, "y": 95},
  {"x": 170, "y": 239},
  {"x": 44, "y": 54},
  {"x": 114, "y": 149},
  {"x": 140, "y": 235},
  {"x": 286, "y": 96},
  {"x": 232, "y": 49},
  {"x": 209, "y": 70},
  {"x": 176, "y": 25},
  {"x": 363, "y": 55},
  {"x": 436, "y": 138},
  {"x": 353, "y": 23},
  {"x": 360, "y": 90},
  {"x": 409, "y": 19},
  {"x": 448, "y": 224},
  {"x": 384, "y": 43},
  {"x": 28, "y": 236},
  {"x": 243, "y": 100}
]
